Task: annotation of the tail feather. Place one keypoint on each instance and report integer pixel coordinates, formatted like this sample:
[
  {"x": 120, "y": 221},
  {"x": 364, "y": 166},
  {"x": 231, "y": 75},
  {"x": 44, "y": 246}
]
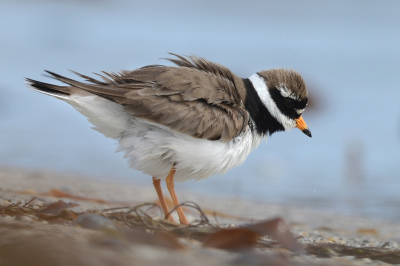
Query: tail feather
[
  {"x": 108, "y": 117},
  {"x": 53, "y": 90}
]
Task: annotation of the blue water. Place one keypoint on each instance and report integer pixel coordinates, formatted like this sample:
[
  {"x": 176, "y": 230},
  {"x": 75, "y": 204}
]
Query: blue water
[{"x": 347, "y": 51}]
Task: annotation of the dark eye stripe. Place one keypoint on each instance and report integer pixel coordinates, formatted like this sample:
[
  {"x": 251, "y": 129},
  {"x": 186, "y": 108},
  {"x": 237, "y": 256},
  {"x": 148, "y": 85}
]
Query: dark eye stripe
[
  {"x": 300, "y": 104},
  {"x": 280, "y": 103},
  {"x": 289, "y": 102}
]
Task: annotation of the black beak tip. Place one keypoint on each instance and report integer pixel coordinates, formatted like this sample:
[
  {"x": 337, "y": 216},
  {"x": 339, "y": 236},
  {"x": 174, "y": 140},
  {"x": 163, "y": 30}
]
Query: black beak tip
[{"x": 307, "y": 132}]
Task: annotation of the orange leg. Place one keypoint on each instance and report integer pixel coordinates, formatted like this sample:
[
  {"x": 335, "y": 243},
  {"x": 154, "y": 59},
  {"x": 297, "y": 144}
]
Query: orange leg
[
  {"x": 157, "y": 186},
  {"x": 171, "y": 188}
]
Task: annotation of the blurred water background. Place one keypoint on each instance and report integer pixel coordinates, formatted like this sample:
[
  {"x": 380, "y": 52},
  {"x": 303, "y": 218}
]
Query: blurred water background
[{"x": 347, "y": 51}]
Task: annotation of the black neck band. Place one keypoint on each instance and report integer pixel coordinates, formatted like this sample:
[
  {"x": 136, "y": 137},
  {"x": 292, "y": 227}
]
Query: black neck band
[{"x": 264, "y": 122}]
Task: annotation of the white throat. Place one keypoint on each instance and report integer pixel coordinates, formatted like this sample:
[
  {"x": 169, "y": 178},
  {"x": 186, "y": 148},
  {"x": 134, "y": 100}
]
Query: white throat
[{"x": 262, "y": 90}]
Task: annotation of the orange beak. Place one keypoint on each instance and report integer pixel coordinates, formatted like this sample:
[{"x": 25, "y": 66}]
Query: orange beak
[{"x": 301, "y": 124}]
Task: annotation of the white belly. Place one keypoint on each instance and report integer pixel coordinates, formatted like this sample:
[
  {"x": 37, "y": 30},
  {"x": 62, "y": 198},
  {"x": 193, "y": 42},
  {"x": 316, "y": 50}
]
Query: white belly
[{"x": 153, "y": 149}]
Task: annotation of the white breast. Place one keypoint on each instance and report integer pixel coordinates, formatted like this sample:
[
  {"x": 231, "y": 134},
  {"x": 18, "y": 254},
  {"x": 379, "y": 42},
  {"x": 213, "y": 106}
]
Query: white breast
[{"x": 153, "y": 149}]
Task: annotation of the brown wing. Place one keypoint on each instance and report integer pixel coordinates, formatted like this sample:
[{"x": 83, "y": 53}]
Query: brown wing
[{"x": 198, "y": 98}]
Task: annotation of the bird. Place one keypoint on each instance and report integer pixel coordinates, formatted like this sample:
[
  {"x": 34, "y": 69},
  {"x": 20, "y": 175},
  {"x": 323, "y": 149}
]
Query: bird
[{"x": 188, "y": 121}]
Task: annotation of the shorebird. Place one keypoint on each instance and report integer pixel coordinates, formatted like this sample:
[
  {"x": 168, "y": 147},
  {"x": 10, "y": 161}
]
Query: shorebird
[{"x": 185, "y": 122}]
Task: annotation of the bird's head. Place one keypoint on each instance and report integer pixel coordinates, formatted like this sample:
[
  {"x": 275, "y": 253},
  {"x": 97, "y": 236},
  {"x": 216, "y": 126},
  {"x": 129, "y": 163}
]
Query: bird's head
[{"x": 285, "y": 96}]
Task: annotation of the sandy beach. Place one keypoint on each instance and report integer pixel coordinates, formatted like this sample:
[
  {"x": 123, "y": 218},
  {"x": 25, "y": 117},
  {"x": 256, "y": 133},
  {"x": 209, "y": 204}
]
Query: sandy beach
[{"x": 64, "y": 241}]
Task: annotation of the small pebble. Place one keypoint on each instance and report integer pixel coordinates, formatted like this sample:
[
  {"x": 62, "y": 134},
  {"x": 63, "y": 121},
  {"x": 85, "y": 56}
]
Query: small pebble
[
  {"x": 23, "y": 218},
  {"x": 95, "y": 221}
]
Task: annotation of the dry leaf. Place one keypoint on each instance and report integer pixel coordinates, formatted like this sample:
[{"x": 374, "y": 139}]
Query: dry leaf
[
  {"x": 55, "y": 209},
  {"x": 232, "y": 239},
  {"x": 246, "y": 237},
  {"x": 278, "y": 230}
]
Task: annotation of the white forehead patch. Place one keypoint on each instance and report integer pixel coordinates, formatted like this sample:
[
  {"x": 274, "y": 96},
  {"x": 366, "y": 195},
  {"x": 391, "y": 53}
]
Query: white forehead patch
[{"x": 262, "y": 90}]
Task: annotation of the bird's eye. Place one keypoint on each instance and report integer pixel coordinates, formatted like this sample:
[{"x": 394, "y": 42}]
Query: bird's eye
[{"x": 288, "y": 102}]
